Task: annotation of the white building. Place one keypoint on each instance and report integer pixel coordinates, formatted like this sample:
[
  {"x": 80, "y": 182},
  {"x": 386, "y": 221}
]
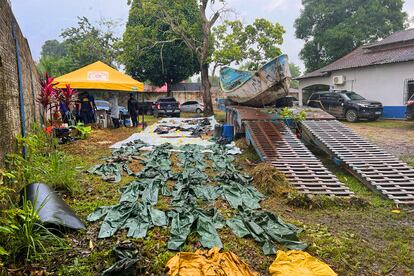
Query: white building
[{"x": 382, "y": 71}]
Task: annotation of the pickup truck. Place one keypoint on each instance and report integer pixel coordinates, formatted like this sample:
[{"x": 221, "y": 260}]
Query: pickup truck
[{"x": 167, "y": 106}]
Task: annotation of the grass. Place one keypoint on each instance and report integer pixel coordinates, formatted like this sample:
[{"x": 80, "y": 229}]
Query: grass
[
  {"x": 387, "y": 124},
  {"x": 362, "y": 238}
]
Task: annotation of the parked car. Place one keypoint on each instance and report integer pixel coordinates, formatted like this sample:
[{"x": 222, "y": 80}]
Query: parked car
[
  {"x": 192, "y": 106},
  {"x": 346, "y": 104},
  {"x": 167, "y": 106},
  {"x": 288, "y": 101},
  {"x": 102, "y": 105},
  {"x": 409, "y": 113}
]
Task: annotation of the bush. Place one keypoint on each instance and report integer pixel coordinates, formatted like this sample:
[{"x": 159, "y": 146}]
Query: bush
[
  {"x": 23, "y": 238},
  {"x": 43, "y": 163}
]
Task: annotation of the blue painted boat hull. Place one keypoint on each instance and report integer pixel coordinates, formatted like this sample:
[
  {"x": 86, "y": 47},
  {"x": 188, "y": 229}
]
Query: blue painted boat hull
[{"x": 260, "y": 88}]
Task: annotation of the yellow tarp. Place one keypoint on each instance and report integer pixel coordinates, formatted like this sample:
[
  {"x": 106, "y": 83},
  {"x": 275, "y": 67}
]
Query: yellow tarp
[
  {"x": 208, "y": 263},
  {"x": 98, "y": 75},
  {"x": 296, "y": 262}
]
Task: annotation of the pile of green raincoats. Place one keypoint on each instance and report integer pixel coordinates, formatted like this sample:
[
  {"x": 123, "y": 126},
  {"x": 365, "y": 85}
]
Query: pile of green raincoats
[{"x": 137, "y": 210}]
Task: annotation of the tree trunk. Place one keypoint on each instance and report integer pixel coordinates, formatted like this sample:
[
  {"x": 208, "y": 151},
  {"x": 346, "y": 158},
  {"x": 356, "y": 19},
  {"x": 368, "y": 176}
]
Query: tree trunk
[{"x": 205, "y": 83}]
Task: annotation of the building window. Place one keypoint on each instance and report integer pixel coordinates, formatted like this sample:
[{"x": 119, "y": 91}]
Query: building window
[{"x": 409, "y": 89}]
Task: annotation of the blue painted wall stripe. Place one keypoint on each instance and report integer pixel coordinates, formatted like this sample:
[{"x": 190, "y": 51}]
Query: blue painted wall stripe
[{"x": 394, "y": 112}]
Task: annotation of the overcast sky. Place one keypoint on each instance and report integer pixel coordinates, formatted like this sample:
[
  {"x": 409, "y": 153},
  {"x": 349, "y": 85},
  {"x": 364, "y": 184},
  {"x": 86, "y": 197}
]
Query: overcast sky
[{"x": 41, "y": 20}]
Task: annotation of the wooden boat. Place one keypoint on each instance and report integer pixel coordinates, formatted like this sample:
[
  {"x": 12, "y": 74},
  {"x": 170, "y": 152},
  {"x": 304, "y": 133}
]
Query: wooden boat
[{"x": 260, "y": 88}]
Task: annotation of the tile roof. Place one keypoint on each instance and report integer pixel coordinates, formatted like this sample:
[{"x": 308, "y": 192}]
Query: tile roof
[
  {"x": 396, "y": 37},
  {"x": 376, "y": 53}
]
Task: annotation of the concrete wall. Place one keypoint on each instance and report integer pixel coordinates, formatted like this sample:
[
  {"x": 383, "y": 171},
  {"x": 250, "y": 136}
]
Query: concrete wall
[
  {"x": 10, "y": 116},
  {"x": 385, "y": 83}
]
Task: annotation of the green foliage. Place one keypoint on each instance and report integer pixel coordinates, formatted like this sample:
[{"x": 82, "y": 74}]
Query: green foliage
[
  {"x": 81, "y": 45},
  {"x": 295, "y": 72},
  {"x": 152, "y": 51},
  {"x": 333, "y": 28},
  {"x": 54, "y": 58},
  {"x": 84, "y": 131},
  {"x": 43, "y": 163},
  {"x": 288, "y": 114},
  {"x": 22, "y": 237},
  {"x": 253, "y": 44}
]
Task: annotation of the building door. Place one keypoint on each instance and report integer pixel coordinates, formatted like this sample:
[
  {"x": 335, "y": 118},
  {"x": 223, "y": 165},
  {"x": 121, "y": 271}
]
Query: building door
[{"x": 410, "y": 89}]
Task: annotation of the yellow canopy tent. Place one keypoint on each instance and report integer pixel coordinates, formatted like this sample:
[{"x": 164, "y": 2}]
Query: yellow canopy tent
[{"x": 98, "y": 75}]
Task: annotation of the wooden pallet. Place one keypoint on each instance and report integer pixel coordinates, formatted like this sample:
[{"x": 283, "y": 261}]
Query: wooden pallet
[
  {"x": 376, "y": 168},
  {"x": 277, "y": 145}
]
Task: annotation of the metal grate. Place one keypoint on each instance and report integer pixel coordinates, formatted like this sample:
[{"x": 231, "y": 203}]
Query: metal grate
[
  {"x": 277, "y": 145},
  {"x": 379, "y": 170}
]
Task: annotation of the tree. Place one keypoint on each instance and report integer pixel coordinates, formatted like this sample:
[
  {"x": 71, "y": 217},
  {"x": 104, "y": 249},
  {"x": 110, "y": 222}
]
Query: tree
[
  {"x": 151, "y": 51},
  {"x": 53, "y": 58},
  {"x": 333, "y": 28},
  {"x": 196, "y": 35},
  {"x": 81, "y": 45},
  {"x": 253, "y": 44},
  {"x": 294, "y": 72},
  {"x": 86, "y": 43}
]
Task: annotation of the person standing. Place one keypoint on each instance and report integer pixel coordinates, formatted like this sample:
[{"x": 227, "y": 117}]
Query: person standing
[
  {"x": 86, "y": 112},
  {"x": 113, "y": 102},
  {"x": 133, "y": 109},
  {"x": 91, "y": 99}
]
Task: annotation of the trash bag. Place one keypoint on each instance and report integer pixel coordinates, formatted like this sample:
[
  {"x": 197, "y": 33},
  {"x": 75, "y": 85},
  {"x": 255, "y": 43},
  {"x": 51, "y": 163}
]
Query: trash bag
[
  {"x": 208, "y": 263},
  {"x": 52, "y": 210},
  {"x": 266, "y": 228},
  {"x": 295, "y": 262},
  {"x": 126, "y": 265}
]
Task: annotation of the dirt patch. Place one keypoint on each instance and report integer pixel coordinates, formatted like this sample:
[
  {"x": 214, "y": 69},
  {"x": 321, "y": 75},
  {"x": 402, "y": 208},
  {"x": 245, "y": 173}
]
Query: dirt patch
[{"x": 396, "y": 137}]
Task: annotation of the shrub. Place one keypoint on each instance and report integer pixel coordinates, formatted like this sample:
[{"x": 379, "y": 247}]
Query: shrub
[
  {"x": 43, "y": 163},
  {"x": 23, "y": 238}
]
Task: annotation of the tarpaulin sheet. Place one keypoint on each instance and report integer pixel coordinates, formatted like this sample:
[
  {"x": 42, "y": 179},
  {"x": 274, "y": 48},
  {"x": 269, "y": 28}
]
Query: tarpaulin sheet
[
  {"x": 266, "y": 228},
  {"x": 175, "y": 138},
  {"x": 52, "y": 210},
  {"x": 208, "y": 263},
  {"x": 98, "y": 75},
  {"x": 295, "y": 262}
]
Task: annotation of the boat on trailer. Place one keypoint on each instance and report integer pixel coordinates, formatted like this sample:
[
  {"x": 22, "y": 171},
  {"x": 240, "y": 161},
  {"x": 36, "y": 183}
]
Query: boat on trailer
[{"x": 257, "y": 89}]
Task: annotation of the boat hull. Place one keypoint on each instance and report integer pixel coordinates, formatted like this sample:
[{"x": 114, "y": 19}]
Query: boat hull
[{"x": 264, "y": 87}]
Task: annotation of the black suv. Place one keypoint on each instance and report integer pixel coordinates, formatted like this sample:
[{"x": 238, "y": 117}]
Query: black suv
[
  {"x": 346, "y": 104},
  {"x": 167, "y": 106}
]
